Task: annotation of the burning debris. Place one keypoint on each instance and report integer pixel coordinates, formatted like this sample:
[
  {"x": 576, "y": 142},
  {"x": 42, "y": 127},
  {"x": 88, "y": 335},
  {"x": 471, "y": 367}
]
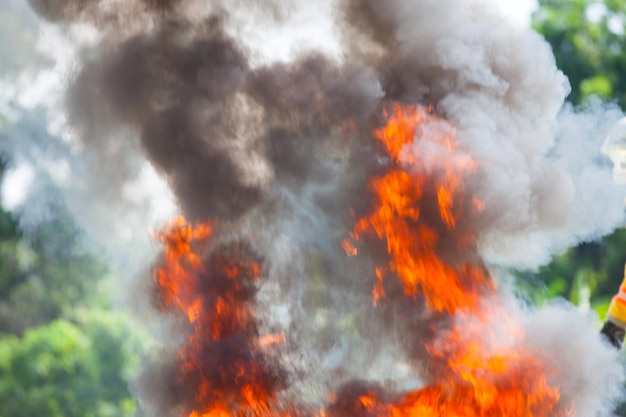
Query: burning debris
[{"x": 344, "y": 215}]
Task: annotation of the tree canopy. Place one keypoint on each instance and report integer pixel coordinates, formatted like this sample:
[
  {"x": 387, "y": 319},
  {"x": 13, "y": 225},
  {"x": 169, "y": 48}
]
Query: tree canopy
[
  {"x": 587, "y": 37},
  {"x": 63, "y": 351}
]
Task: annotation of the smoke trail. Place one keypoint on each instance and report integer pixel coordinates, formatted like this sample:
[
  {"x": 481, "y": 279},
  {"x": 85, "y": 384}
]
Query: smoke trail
[{"x": 283, "y": 152}]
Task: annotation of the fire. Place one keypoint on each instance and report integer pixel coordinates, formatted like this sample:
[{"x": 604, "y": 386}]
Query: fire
[
  {"x": 222, "y": 367},
  {"x": 349, "y": 248},
  {"x": 485, "y": 375},
  {"x": 272, "y": 339},
  {"x": 401, "y": 196},
  {"x": 481, "y": 364},
  {"x": 477, "y": 373}
]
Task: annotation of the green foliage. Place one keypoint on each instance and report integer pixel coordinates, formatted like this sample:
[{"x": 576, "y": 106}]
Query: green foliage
[
  {"x": 44, "y": 276},
  {"x": 599, "y": 86},
  {"x": 69, "y": 368},
  {"x": 589, "y": 273},
  {"x": 588, "y": 42},
  {"x": 62, "y": 354}
]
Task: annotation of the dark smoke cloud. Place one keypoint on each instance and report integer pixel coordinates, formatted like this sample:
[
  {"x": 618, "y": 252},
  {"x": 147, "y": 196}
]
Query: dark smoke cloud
[
  {"x": 62, "y": 10},
  {"x": 315, "y": 92},
  {"x": 189, "y": 92},
  {"x": 176, "y": 87}
]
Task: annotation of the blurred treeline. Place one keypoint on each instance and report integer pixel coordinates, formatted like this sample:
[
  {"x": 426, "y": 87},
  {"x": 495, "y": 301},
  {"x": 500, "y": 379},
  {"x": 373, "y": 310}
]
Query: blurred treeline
[{"x": 64, "y": 352}]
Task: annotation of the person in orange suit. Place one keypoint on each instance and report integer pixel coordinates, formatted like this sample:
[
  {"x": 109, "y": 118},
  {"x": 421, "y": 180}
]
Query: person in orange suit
[{"x": 614, "y": 327}]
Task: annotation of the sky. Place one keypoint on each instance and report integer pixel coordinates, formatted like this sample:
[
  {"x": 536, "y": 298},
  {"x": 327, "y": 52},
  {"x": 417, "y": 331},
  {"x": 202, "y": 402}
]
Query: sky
[{"x": 519, "y": 10}]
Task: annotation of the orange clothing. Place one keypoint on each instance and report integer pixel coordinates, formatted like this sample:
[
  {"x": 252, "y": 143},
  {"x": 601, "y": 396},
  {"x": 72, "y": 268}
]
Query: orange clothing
[{"x": 617, "y": 308}]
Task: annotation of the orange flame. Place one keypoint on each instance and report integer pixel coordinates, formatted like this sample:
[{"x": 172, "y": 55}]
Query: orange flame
[
  {"x": 420, "y": 211},
  {"x": 272, "y": 339},
  {"x": 223, "y": 365},
  {"x": 413, "y": 243},
  {"x": 419, "y": 208},
  {"x": 349, "y": 248},
  {"x": 485, "y": 375}
]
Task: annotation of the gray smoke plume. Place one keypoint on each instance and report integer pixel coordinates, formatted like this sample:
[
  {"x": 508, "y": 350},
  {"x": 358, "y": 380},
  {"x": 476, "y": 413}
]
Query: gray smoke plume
[{"x": 282, "y": 152}]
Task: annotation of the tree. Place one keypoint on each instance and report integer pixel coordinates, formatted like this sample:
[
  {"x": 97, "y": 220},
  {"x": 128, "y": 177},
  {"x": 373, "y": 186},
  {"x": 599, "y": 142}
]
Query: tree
[
  {"x": 69, "y": 368},
  {"x": 46, "y": 275},
  {"x": 63, "y": 352},
  {"x": 587, "y": 37}
]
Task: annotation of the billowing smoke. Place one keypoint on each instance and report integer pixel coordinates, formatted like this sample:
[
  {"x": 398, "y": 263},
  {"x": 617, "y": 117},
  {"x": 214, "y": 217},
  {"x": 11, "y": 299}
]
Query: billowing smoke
[
  {"x": 282, "y": 152},
  {"x": 500, "y": 87}
]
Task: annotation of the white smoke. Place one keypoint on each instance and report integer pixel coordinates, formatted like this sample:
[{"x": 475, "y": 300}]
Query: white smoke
[
  {"x": 544, "y": 181},
  {"x": 49, "y": 168},
  {"x": 591, "y": 374}
]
